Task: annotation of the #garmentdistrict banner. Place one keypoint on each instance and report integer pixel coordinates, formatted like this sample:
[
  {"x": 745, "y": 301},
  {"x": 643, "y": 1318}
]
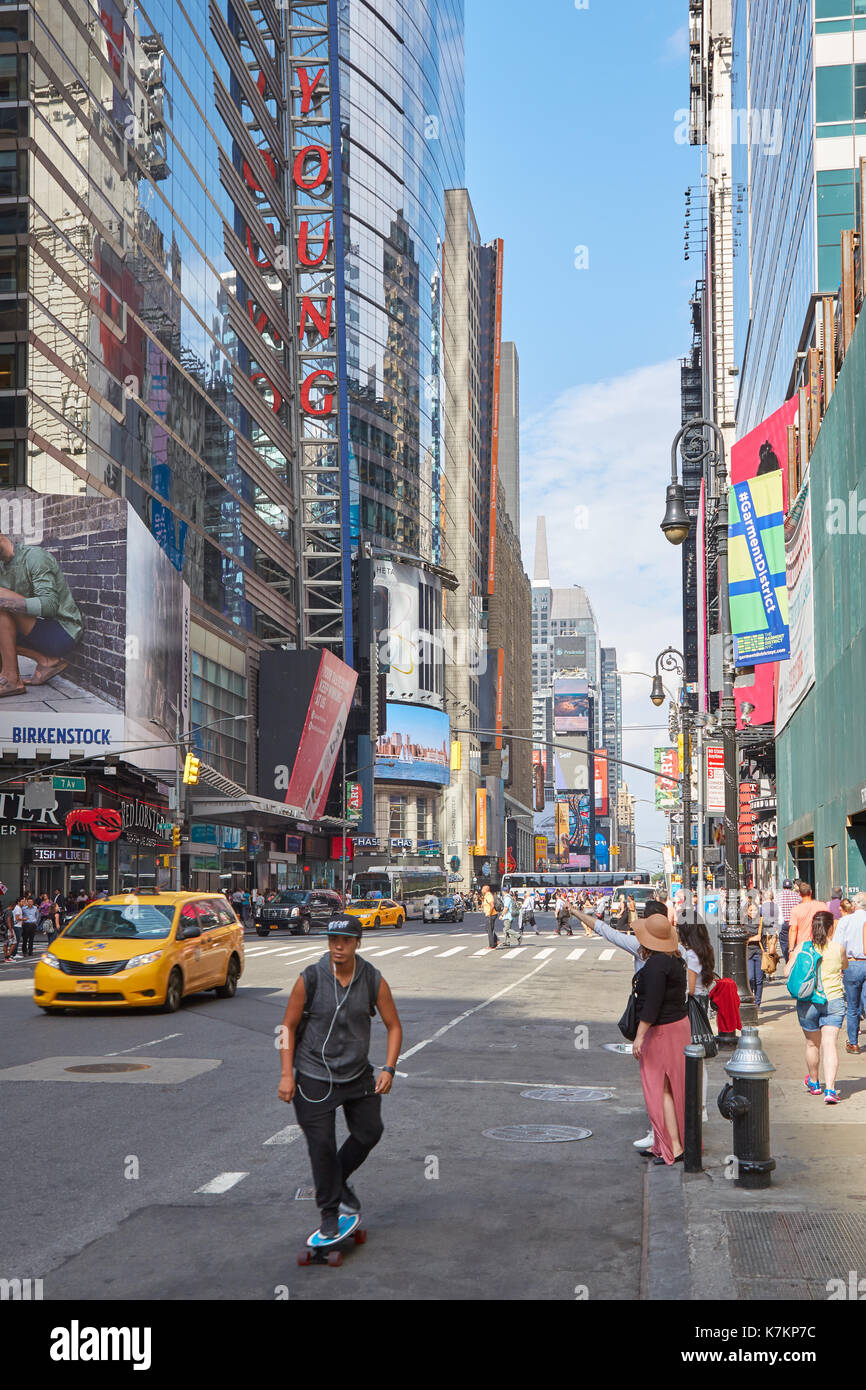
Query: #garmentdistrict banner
[
  {"x": 756, "y": 571},
  {"x": 797, "y": 676},
  {"x": 667, "y": 761}
]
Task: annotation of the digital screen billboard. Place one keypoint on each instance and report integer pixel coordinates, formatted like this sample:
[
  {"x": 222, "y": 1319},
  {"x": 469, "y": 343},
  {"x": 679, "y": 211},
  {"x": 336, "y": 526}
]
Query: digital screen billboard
[
  {"x": 304, "y": 702},
  {"x": 570, "y": 706},
  {"x": 101, "y": 629},
  {"x": 571, "y": 762},
  {"x": 415, "y": 747},
  {"x": 599, "y": 762},
  {"x": 407, "y": 628},
  {"x": 569, "y": 654}
]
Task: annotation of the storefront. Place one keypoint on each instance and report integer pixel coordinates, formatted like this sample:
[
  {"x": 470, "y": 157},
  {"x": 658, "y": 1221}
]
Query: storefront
[{"x": 217, "y": 857}]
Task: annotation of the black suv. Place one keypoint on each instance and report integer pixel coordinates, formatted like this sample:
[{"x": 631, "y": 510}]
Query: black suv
[{"x": 302, "y": 910}]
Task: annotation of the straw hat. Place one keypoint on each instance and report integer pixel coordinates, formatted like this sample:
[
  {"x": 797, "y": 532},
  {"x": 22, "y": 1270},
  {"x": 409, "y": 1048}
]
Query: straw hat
[{"x": 657, "y": 934}]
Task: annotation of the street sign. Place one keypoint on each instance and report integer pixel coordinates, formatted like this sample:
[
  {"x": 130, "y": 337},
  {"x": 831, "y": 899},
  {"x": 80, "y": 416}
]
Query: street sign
[
  {"x": 39, "y": 796},
  {"x": 69, "y": 784}
]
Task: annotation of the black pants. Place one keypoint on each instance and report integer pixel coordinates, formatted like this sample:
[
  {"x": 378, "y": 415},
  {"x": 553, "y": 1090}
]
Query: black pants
[
  {"x": 491, "y": 931},
  {"x": 783, "y": 940},
  {"x": 28, "y": 936},
  {"x": 363, "y": 1111}
]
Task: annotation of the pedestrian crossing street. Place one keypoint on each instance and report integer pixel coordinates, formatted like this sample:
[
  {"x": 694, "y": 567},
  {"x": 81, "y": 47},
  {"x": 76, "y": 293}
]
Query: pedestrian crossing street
[{"x": 589, "y": 952}]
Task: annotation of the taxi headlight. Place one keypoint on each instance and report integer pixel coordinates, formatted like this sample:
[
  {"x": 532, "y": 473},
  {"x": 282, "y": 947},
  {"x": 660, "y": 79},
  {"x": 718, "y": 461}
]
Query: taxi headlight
[
  {"x": 143, "y": 960},
  {"x": 48, "y": 959}
]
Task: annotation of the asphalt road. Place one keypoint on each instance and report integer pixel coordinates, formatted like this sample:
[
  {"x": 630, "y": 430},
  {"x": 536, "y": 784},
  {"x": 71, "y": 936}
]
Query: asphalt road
[{"x": 107, "y": 1171}]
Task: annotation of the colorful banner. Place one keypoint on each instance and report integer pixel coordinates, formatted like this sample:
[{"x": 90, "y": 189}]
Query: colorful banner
[
  {"x": 321, "y": 736},
  {"x": 600, "y": 781},
  {"x": 481, "y": 821},
  {"x": 714, "y": 803},
  {"x": 354, "y": 801},
  {"x": 561, "y": 829},
  {"x": 666, "y": 760},
  {"x": 756, "y": 571},
  {"x": 797, "y": 676},
  {"x": 540, "y": 850}
]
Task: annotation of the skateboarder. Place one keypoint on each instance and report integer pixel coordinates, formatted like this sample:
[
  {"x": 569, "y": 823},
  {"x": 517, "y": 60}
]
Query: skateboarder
[{"x": 326, "y": 1065}]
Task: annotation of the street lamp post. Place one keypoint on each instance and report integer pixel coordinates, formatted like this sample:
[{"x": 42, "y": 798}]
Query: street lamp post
[
  {"x": 673, "y": 660},
  {"x": 676, "y": 526}
]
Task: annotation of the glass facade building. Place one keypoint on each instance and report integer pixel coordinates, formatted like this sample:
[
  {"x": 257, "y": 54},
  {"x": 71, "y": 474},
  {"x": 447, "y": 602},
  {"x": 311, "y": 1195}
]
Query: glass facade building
[
  {"x": 402, "y": 123},
  {"x": 799, "y": 131}
]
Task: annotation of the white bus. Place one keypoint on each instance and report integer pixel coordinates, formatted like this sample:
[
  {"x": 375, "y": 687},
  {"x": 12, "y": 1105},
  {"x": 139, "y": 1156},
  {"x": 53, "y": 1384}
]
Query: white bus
[{"x": 407, "y": 886}]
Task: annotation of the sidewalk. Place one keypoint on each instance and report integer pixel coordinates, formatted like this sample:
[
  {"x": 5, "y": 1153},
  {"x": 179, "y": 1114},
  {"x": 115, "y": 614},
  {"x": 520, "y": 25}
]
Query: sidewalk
[{"x": 789, "y": 1240}]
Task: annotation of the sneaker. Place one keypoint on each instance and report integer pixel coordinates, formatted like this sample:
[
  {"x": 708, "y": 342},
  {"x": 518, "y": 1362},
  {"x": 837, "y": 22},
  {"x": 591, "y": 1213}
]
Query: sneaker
[
  {"x": 645, "y": 1143},
  {"x": 831, "y": 1097},
  {"x": 814, "y": 1087},
  {"x": 349, "y": 1203},
  {"x": 330, "y": 1227}
]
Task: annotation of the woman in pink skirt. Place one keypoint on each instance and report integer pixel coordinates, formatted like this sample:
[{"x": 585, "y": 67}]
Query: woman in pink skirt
[{"x": 663, "y": 1032}]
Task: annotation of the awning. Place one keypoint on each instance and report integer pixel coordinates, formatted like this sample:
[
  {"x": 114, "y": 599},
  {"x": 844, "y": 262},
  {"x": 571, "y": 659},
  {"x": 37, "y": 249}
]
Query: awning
[{"x": 238, "y": 805}]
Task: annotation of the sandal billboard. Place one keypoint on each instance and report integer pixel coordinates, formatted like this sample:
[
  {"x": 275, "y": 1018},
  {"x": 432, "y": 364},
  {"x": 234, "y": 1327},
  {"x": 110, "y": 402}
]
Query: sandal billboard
[{"x": 94, "y": 630}]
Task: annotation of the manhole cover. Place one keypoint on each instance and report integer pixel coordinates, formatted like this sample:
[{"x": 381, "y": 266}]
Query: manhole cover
[
  {"x": 537, "y": 1134},
  {"x": 567, "y": 1093},
  {"x": 618, "y": 1047},
  {"x": 111, "y": 1066}
]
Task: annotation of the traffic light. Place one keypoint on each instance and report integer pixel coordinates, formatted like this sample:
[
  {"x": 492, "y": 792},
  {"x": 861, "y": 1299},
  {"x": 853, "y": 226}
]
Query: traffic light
[
  {"x": 175, "y": 836},
  {"x": 191, "y": 770}
]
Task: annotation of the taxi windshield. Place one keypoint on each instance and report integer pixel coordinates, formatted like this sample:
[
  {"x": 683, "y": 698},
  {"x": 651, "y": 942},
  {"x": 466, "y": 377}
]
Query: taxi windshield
[
  {"x": 366, "y": 902},
  {"x": 141, "y": 921}
]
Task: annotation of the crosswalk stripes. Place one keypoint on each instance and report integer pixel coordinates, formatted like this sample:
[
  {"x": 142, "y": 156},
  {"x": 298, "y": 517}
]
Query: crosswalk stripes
[
  {"x": 576, "y": 954},
  {"x": 453, "y": 952},
  {"x": 295, "y": 955},
  {"x": 423, "y": 951},
  {"x": 542, "y": 955},
  {"x": 608, "y": 954}
]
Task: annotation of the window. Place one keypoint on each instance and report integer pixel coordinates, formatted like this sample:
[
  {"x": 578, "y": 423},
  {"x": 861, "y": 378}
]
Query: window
[
  {"x": 860, "y": 91},
  {"x": 398, "y": 815},
  {"x": 833, "y": 93}
]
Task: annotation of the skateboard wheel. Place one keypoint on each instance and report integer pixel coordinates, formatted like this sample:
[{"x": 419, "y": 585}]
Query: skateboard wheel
[
  {"x": 360, "y": 1237},
  {"x": 335, "y": 1258},
  {"x": 304, "y": 1257}
]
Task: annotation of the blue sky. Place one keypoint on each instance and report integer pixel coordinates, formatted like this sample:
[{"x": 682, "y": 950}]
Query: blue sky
[{"x": 571, "y": 144}]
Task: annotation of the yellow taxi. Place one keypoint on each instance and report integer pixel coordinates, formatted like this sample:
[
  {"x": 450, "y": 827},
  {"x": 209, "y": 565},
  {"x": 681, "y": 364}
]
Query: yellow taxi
[
  {"x": 142, "y": 950},
  {"x": 376, "y": 912}
]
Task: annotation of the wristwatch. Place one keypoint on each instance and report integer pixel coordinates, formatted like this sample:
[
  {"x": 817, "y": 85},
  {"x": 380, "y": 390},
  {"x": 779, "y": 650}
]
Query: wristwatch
[{"x": 389, "y": 1070}]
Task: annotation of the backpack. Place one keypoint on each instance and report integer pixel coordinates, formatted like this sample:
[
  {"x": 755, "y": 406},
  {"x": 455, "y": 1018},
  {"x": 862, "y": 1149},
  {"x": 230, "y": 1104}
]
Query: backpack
[
  {"x": 498, "y": 902},
  {"x": 804, "y": 981}
]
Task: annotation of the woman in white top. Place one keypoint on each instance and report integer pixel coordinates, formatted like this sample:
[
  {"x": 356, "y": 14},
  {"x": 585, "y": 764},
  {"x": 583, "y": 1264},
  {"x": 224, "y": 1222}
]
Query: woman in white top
[{"x": 700, "y": 970}]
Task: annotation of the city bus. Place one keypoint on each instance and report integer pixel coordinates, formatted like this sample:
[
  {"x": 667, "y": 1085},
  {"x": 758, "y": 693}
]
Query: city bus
[
  {"x": 601, "y": 880},
  {"x": 407, "y": 886}
]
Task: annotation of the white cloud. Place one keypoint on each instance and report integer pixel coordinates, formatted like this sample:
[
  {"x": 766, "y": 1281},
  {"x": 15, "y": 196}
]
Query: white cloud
[
  {"x": 606, "y": 447},
  {"x": 676, "y": 45}
]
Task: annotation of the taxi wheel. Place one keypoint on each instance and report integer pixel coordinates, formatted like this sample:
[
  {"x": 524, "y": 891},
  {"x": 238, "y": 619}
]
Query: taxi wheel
[
  {"x": 173, "y": 992},
  {"x": 400, "y": 921},
  {"x": 378, "y": 922},
  {"x": 229, "y": 989}
]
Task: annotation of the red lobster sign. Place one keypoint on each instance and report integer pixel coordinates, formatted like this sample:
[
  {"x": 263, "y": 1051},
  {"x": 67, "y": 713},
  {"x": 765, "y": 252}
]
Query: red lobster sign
[{"x": 102, "y": 823}]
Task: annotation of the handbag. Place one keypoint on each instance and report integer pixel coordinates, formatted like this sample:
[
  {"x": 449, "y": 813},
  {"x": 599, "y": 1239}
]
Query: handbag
[
  {"x": 702, "y": 1031},
  {"x": 770, "y": 955},
  {"x": 629, "y": 1021}
]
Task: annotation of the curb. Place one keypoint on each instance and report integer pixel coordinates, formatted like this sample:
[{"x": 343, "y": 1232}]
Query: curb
[{"x": 665, "y": 1273}]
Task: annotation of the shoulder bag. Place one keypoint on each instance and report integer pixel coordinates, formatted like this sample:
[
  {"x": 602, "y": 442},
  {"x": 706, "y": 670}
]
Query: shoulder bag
[
  {"x": 629, "y": 1022},
  {"x": 701, "y": 1027}
]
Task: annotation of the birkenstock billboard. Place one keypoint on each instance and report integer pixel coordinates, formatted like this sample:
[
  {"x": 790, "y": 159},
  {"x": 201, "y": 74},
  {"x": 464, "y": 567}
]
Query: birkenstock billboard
[{"x": 94, "y": 624}]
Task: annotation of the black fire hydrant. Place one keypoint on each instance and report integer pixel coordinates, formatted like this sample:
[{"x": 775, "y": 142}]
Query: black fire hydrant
[{"x": 746, "y": 1101}]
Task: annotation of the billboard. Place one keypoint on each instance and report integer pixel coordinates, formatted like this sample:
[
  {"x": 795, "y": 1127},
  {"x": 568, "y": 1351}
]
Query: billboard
[
  {"x": 569, "y": 653},
  {"x": 761, "y": 451},
  {"x": 714, "y": 802},
  {"x": 304, "y": 702},
  {"x": 416, "y": 746},
  {"x": 599, "y": 763},
  {"x": 570, "y": 706},
  {"x": 540, "y": 850},
  {"x": 101, "y": 630},
  {"x": 797, "y": 676},
  {"x": 756, "y": 567},
  {"x": 571, "y": 764},
  {"x": 562, "y": 827},
  {"x": 666, "y": 760},
  {"x": 407, "y": 629}
]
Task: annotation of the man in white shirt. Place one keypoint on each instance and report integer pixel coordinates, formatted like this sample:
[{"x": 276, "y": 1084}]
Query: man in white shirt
[{"x": 850, "y": 935}]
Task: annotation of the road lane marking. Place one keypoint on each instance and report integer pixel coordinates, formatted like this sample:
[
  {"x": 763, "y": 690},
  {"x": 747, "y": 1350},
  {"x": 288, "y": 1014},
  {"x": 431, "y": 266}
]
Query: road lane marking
[
  {"x": 404, "y": 1056},
  {"x": 452, "y": 952},
  {"x": 541, "y": 955},
  {"x": 222, "y": 1182},
  {"x": 514, "y": 951},
  {"x": 608, "y": 955},
  {"x": 482, "y": 952},
  {"x": 167, "y": 1038},
  {"x": 390, "y": 951},
  {"x": 422, "y": 952},
  {"x": 286, "y": 1136},
  {"x": 576, "y": 955}
]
